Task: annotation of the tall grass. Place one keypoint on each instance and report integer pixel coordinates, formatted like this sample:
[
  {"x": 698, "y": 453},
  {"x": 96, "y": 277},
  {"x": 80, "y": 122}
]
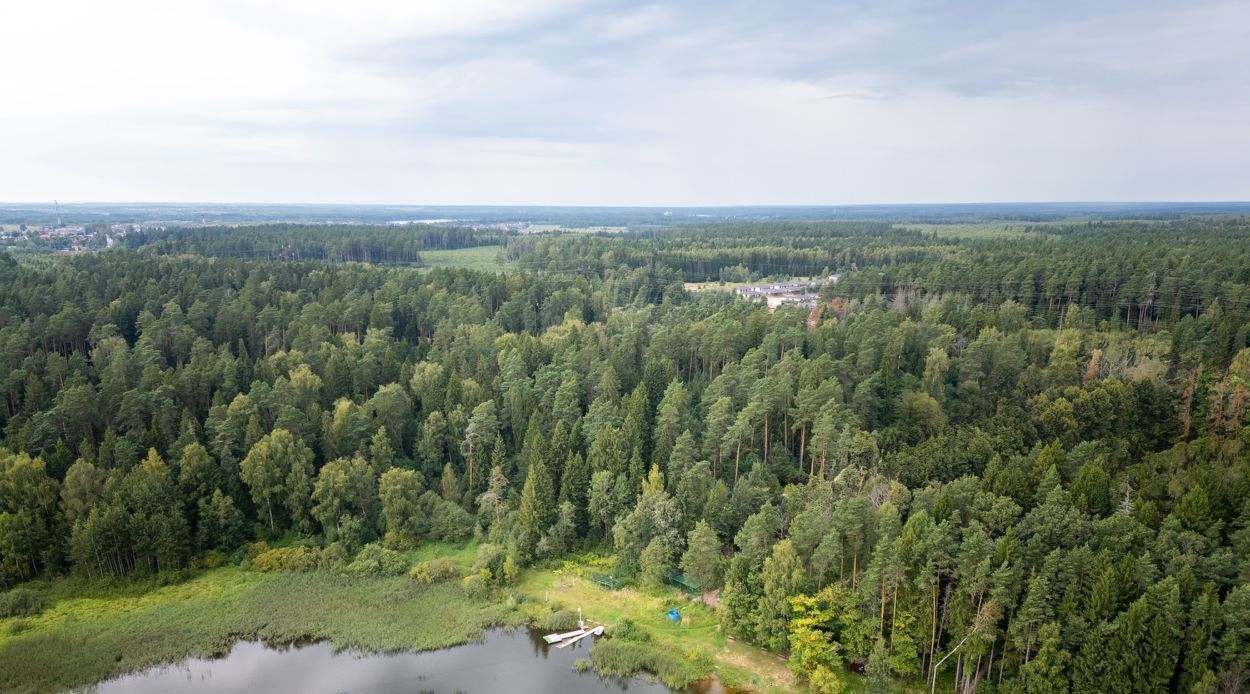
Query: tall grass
[
  {"x": 622, "y": 658},
  {"x": 82, "y": 640}
]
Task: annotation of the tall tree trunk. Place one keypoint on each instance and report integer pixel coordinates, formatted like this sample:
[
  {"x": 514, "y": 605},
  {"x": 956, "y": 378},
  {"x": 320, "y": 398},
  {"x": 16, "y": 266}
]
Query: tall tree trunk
[
  {"x": 881, "y": 628},
  {"x": 765, "y": 439},
  {"x": 989, "y": 674},
  {"x": 894, "y": 603},
  {"x": 932, "y": 629},
  {"x": 803, "y": 446},
  {"x": 737, "y": 459}
]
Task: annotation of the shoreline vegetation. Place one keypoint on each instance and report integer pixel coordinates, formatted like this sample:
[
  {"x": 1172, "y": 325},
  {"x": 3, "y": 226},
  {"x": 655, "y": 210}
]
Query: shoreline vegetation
[{"x": 92, "y": 631}]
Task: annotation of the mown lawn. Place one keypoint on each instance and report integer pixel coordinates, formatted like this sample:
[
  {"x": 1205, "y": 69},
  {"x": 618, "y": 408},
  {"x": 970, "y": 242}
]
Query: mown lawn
[{"x": 734, "y": 663}]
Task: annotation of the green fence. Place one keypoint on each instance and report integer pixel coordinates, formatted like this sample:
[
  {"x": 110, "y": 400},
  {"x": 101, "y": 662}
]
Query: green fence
[
  {"x": 688, "y": 585},
  {"x": 604, "y": 580}
]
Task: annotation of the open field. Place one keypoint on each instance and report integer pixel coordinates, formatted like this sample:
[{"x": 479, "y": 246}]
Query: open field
[
  {"x": 991, "y": 229},
  {"x": 483, "y": 258},
  {"x": 554, "y": 228}
]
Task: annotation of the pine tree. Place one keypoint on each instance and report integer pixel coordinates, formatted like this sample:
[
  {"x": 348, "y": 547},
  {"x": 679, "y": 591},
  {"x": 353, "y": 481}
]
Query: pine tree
[
  {"x": 536, "y": 512},
  {"x": 702, "y": 561},
  {"x": 575, "y": 490},
  {"x": 782, "y": 576}
]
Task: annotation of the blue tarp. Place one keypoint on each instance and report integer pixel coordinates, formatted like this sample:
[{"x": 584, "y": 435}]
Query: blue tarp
[{"x": 674, "y": 615}]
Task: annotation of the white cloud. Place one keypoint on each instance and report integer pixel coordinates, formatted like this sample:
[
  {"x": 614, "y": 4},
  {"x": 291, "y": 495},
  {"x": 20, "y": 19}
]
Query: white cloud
[{"x": 485, "y": 101}]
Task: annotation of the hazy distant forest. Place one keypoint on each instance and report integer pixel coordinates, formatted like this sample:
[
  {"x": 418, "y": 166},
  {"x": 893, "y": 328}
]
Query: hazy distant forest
[{"x": 1022, "y": 461}]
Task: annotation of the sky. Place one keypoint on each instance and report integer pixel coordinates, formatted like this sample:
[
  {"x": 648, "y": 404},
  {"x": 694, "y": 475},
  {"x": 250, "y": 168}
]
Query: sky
[{"x": 555, "y": 102}]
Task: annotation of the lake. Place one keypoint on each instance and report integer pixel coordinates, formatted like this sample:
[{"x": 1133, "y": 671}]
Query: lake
[{"x": 505, "y": 661}]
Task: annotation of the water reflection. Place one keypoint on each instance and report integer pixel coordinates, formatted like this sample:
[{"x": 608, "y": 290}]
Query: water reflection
[{"x": 515, "y": 661}]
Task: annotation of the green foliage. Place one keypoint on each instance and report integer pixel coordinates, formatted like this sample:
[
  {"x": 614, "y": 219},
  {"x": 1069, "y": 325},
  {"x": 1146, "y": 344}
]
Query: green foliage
[
  {"x": 557, "y": 620},
  {"x": 1029, "y": 448},
  {"x": 477, "y": 585},
  {"x": 376, "y": 560},
  {"x": 702, "y": 560},
  {"x": 298, "y": 558},
  {"x": 129, "y": 627},
  {"x": 624, "y": 658},
  {"x": 22, "y": 602},
  {"x": 278, "y": 472},
  {"x": 434, "y": 571},
  {"x": 629, "y": 630}
]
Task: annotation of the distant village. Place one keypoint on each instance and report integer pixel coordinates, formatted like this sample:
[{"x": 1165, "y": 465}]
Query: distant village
[
  {"x": 794, "y": 292},
  {"x": 64, "y": 239}
]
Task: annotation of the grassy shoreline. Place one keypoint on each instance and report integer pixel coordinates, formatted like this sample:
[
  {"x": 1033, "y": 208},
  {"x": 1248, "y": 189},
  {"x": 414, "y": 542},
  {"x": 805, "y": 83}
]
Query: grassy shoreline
[
  {"x": 94, "y": 632},
  {"x": 101, "y": 632}
]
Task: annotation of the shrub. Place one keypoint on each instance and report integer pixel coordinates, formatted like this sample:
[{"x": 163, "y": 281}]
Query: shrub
[
  {"x": 511, "y": 569},
  {"x": 628, "y": 630},
  {"x": 376, "y": 560},
  {"x": 287, "y": 559},
  {"x": 434, "y": 571},
  {"x": 255, "y": 549},
  {"x": 335, "y": 557},
  {"x": 212, "y": 559},
  {"x": 476, "y": 585},
  {"x": 450, "y": 523},
  {"x": 491, "y": 558},
  {"x": 22, "y": 602}
]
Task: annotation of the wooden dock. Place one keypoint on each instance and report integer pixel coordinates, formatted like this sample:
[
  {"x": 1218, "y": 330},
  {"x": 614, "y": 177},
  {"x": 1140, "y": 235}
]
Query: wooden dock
[
  {"x": 556, "y": 638},
  {"x": 597, "y": 631}
]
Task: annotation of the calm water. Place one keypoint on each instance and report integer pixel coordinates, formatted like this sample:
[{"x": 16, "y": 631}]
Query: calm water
[{"x": 516, "y": 661}]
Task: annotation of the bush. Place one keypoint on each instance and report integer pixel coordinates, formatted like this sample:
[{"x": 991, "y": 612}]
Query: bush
[
  {"x": 376, "y": 560},
  {"x": 22, "y": 602},
  {"x": 434, "y": 571},
  {"x": 476, "y": 585},
  {"x": 212, "y": 559},
  {"x": 335, "y": 557},
  {"x": 628, "y": 630},
  {"x": 255, "y": 549},
  {"x": 287, "y": 559},
  {"x": 489, "y": 557},
  {"x": 451, "y": 523}
]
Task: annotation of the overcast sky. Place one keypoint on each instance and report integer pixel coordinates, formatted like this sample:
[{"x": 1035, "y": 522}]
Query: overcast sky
[{"x": 624, "y": 103}]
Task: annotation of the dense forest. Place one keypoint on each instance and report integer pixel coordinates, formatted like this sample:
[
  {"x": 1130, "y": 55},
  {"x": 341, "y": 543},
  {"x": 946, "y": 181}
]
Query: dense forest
[
  {"x": 342, "y": 243},
  {"x": 1013, "y": 464}
]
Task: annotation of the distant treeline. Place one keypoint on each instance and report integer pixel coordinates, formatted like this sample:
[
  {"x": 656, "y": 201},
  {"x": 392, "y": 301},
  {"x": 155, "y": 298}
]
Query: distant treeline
[
  {"x": 1006, "y": 465},
  {"x": 385, "y": 244},
  {"x": 1133, "y": 272}
]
